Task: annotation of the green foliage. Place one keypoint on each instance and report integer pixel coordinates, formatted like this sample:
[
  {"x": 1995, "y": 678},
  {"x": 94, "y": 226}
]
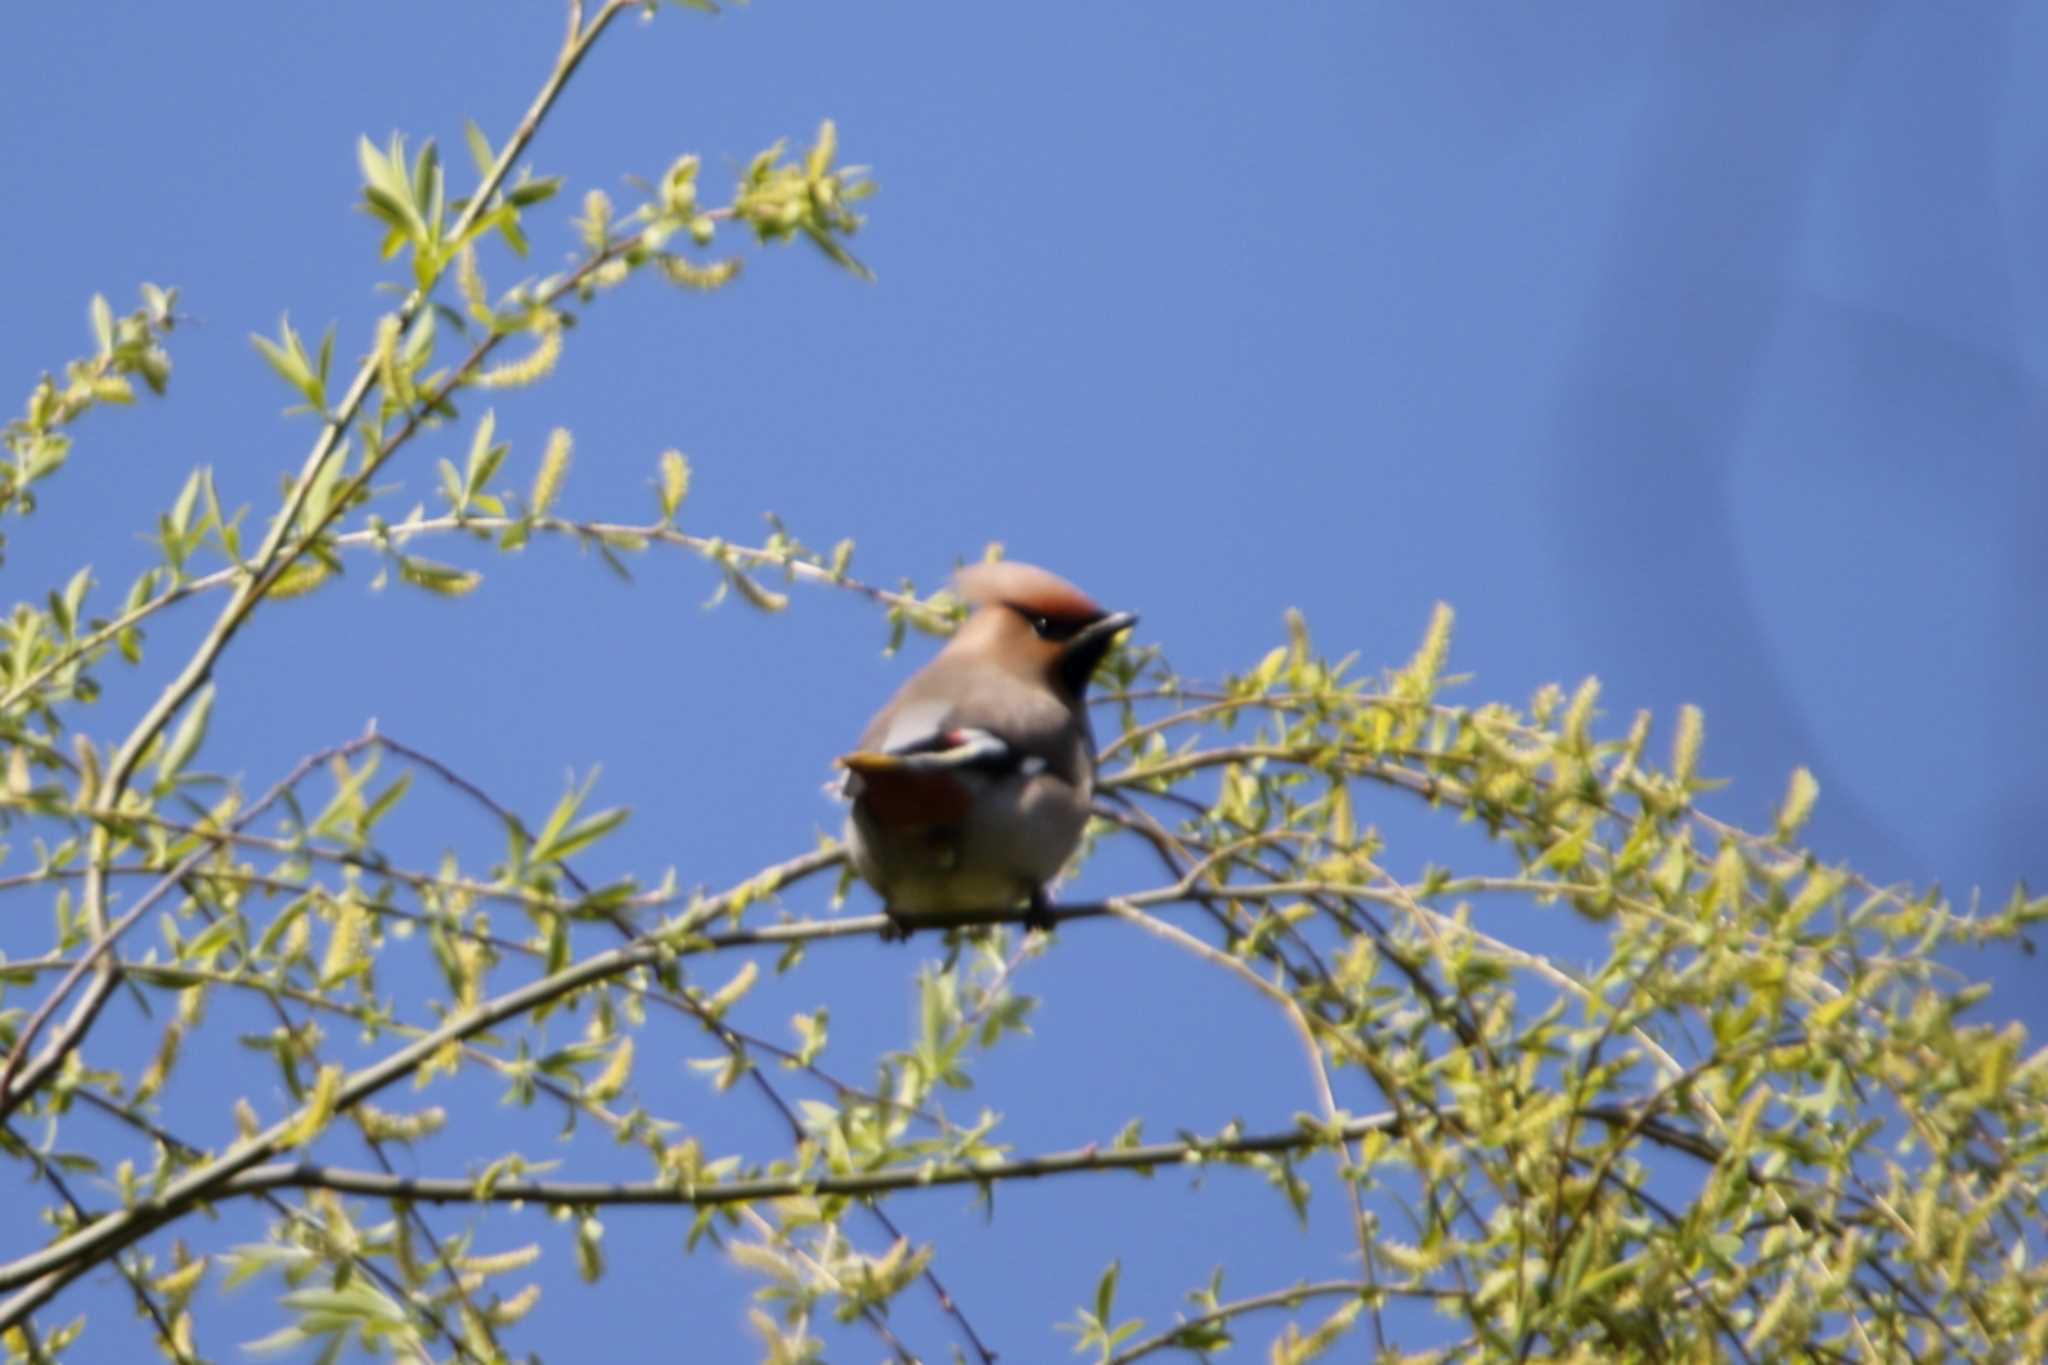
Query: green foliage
[
  {"x": 1096, "y": 1328},
  {"x": 1760, "y": 1121},
  {"x": 39, "y": 441}
]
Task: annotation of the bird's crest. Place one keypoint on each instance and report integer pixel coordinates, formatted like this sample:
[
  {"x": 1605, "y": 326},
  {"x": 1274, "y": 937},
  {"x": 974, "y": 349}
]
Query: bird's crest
[{"x": 1026, "y": 587}]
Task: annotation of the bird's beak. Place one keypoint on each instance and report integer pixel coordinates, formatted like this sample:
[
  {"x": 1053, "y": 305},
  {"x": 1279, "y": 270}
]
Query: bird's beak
[
  {"x": 1085, "y": 648},
  {"x": 1097, "y": 634}
]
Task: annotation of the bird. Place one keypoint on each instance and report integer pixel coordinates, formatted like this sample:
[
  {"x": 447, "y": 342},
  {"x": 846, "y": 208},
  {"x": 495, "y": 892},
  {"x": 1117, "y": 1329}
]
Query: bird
[{"x": 970, "y": 789}]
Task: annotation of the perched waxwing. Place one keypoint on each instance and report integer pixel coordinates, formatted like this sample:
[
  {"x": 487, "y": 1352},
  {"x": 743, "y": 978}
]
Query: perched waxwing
[{"x": 971, "y": 788}]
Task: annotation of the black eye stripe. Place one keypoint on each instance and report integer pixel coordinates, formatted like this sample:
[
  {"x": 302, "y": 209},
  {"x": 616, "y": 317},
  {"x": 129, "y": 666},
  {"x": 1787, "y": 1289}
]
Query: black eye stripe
[{"x": 1049, "y": 627}]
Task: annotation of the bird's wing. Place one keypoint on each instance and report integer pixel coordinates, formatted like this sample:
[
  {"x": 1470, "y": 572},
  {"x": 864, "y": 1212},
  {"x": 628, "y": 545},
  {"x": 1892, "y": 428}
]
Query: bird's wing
[
  {"x": 944, "y": 752},
  {"x": 916, "y": 749},
  {"x": 981, "y": 720},
  {"x": 907, "y": 728}
]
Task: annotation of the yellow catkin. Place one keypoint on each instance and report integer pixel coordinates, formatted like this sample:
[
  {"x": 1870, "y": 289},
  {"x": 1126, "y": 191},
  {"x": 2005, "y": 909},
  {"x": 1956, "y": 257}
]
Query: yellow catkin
[
  {"x": 537, "y": 363},
  {"x": 470, "y": 281},
  {"x": 689, "y": 275},
  {"x": 554, "y": 467}
]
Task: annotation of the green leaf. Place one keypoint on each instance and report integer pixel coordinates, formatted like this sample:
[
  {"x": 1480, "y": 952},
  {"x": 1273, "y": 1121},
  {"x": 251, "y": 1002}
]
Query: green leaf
[
  {"x": 389, "y": 797},
  {"x": 326, "y": 363},
  {"x": 819, "y": 160},
  {"x": 531, "y": 192},
  {"x": 389, "y": 210},
  {"x": 580, "y": 836},
  {"x": 484, "y": 458},
  {"x": 479, "y": 147},
  {"x": 360, "y": 1300},
  {"x": 387, "y": 187},
  {"x": 300, "y": 578},
  {"x": 444, "y": 579},
  {"x": 589, "y": 1249},
  {"x": 185, "y": 742},
  {"x": 508, "y": 228},
  {"x": 288, "y": 357},
  {"x": 252, "y": 1259},
  {"x": 375, "y": 172},
  {"x": 763, "y": 599},
  {"x": 65, "y": 607},
  {"x": 452, "y": 487},
  {"x": 103, "y": 324},
  {"x": 426, "y": 177},
  {"x": 730, "y": 993},
  {"x": 211, "y": 941},
  {"x": 1105, "y": 1293},
  {"x": 1207, "y": 1336}
]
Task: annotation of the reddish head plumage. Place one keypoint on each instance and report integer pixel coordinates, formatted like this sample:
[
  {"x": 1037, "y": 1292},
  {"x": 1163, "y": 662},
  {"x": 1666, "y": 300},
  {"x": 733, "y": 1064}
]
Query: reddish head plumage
[{"x": 1026, "y": 587}]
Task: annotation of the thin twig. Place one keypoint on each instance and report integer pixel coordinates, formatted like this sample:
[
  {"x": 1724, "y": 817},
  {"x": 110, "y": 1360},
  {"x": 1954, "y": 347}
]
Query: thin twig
[
  {"x": 144, "y": 1299},
  {"x": 74, "y": 1029},
  {"x": 268, "y": 561},
  {"x": 1278, "y": 1298},
  {"x": 1092, "y": 1158},
  {"x": 1318, "y": 1069},
  {"x": 731, "y": 1039}
]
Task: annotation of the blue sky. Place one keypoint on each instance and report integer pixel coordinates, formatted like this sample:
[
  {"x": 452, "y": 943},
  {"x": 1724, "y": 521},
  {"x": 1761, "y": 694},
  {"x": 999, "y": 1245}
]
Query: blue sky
[{"x": 1696, "y": 347}]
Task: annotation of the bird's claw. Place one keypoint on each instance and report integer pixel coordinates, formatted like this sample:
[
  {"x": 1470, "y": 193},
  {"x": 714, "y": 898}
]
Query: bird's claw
[{"x": 1038, "y": 914}]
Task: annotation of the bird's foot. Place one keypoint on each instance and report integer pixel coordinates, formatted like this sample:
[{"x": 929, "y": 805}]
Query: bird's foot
[
  {"x": 898, "y": 929},
  {"x": 1038, "y": 914}
]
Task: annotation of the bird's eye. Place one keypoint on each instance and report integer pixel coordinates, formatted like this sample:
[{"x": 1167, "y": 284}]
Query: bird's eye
[{"x": 1046, "y": 627}]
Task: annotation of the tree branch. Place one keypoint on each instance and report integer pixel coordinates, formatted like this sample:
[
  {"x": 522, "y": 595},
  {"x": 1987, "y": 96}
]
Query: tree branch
[
  {"x": 581, "y": 1193},
  {"x": 14, "y": 1090},
  {"x": 1278, "y": 1298},
  {"x": 252, "y": 583}
]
